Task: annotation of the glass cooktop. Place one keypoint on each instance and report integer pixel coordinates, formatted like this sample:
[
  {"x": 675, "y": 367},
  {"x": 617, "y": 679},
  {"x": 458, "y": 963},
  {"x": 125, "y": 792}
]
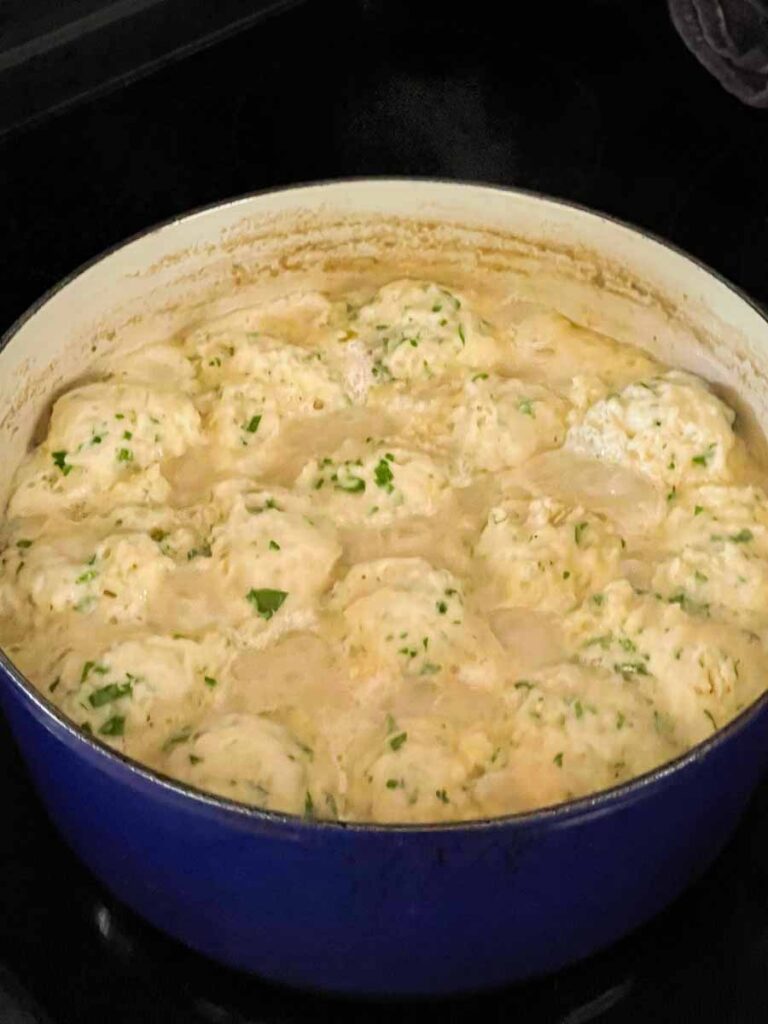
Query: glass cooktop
[{"x": 598, "y": 102}]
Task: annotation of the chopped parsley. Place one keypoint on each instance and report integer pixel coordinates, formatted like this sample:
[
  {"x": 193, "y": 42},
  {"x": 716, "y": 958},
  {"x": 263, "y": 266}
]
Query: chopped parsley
[
  {"x": 87, "y": 576},
  {"x": 461, "y": 335},
  {"x": 442, "y": 607},
  {"x": 182, "y": 736},
  {"x": 210, "y": 681},
  {"x": 194, "y": 759},
  {"x": 480, "y": 376},
  {"x": 127, "y": 435},
  {"x": 124, "y": 455},
  {"x": 526, "y": 407},
  {"x": 578, "y": 709},
  {"x": 309, "y": 806},
  {"x": 523, "y": 684},
  {"x": 578, "y": 531},
  {"x": 698, "y": 510},
  {"x": 384, "y": 476},
  {"x": 705, "y": 457},
  {"x": 442, "y": 796},
  {"x": 620, "y": 720},
  {"x": 274, "y": 546},
  {"x": 92, "y": 666},
  {"x": 742, "y": 537},
  {"x": 23, "y": 543},
  {"x": 158, "y": 535},
  {"x": 204, "y": 551},
  {"x": 253, "y": 424},
  {"x": 558, "y": 759},
  {"x": 266, "y": 602},
  {"x": 351, "y": 484},
  {"x": 109, "y": 693},
  {"x": 114, "y": 726},
  {"x": 397, "y": 741},
  {"x": 429, "y": 668},
  {"x": 394, "y": 784},
  {"x": 60, "y": 461}
]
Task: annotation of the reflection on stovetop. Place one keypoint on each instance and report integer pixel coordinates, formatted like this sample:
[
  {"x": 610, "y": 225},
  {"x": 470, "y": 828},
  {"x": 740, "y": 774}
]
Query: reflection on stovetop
[{"x": 597, "y": 102}]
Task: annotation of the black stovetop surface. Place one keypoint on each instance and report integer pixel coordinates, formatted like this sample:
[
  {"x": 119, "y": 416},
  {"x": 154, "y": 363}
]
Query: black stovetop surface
[{"x": 598, "y": 102}]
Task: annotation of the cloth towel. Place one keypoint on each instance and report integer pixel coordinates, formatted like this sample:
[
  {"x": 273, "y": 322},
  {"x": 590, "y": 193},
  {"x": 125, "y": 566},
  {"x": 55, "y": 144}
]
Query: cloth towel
[{"x": 730, "y": 38}]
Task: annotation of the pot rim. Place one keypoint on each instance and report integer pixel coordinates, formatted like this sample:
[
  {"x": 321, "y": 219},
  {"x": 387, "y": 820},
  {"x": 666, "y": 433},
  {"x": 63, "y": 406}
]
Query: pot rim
[{"x": 585, "y": 807}]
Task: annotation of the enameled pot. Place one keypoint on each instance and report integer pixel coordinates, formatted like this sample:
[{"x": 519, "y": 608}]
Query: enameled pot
[{"x": 366, "y": 908}]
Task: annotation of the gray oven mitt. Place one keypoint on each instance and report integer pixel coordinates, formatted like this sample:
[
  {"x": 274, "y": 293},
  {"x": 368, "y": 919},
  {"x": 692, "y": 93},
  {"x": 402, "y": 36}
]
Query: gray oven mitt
[{"x": 730, "y": 38}]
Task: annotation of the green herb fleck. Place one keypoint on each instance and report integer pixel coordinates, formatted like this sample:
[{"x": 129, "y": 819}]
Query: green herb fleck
[
  {"x": 194, "y": 759},
  {"x": 558, "y": 759},
  {"x": 397, "y": 741},
  {"x": 274, "y": 546},
  {"x": 114, "y": 726},
  {"x": 393, "y": 784},
  {"x": 742, "y": 537},
  {"x": 23, "y": 543},
  {"x": 578, "y": 531},
  {"x": 182, "y": 736},
  {"x": 110, "y": 692},
  {"x": 127, "y": 435},
  {"x": 698, "y": 510},
  {"x": 210, "y": 681},
  {"x": 87, "y": 576},
  {"x": 383, "y": 476},
  {"x": 705, "y": 457},
  {"x": 253, "y": 424},
  {"x": 309, "y": 806},
  {"x": 59, "y": 460},
  {"x": 124, "y": 455},
  {"x": 523, "y": 684},
  {"x": 526, "y": 407},
  {"x": 480, "y": 376},
  {"x": 442, "y": 796},
  {"x": 620, "y": 720},
  {"x": 266, "y": 602}
]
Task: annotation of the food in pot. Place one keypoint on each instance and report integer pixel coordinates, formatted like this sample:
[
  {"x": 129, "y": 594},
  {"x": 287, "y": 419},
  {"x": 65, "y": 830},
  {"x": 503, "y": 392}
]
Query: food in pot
[{"x": 375, "y": 557}]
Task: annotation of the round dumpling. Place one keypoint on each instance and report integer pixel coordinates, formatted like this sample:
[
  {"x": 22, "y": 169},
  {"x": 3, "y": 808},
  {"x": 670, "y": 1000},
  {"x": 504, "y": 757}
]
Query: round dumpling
[
  {"x": 725, "y": 580},
  {"x": 113, "y": 578},
  {"x": 138, "y": 694},
  {"x": 248, "y": 758},
  {"x": 697, "y": 673},
  {"x": 672, "y": 428},
  {"x": 404, "y": 619},
  {"x": 271, "y": 543},
  {"x": 416, "y": 770},
  {"x": 265, "y": 383},
  {"x": 415, "y": 330},
  {"x": 546, "y": 555},
  {"x": 717, "y": 514},
  {"x": 373, "y": 485},
  {"x": 104, "y": 446},
  {"x": 571, "y": 730},
  {"x": 502, "y": 422}
]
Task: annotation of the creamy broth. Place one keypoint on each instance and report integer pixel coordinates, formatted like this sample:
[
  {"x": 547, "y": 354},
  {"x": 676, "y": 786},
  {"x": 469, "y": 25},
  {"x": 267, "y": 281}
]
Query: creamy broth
[{"x": 383, "y": 558}]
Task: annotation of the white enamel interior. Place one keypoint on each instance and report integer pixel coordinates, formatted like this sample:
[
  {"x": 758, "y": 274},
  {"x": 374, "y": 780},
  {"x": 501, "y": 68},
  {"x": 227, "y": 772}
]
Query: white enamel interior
[{"x": 593, "y": 269}]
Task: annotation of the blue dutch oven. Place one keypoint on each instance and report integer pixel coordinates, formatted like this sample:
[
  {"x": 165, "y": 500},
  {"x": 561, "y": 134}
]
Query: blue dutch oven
[{"x": 358, "y": 908}]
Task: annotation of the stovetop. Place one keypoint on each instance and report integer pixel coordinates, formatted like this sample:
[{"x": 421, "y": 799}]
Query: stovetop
[{"x": 598, "y": 102}]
